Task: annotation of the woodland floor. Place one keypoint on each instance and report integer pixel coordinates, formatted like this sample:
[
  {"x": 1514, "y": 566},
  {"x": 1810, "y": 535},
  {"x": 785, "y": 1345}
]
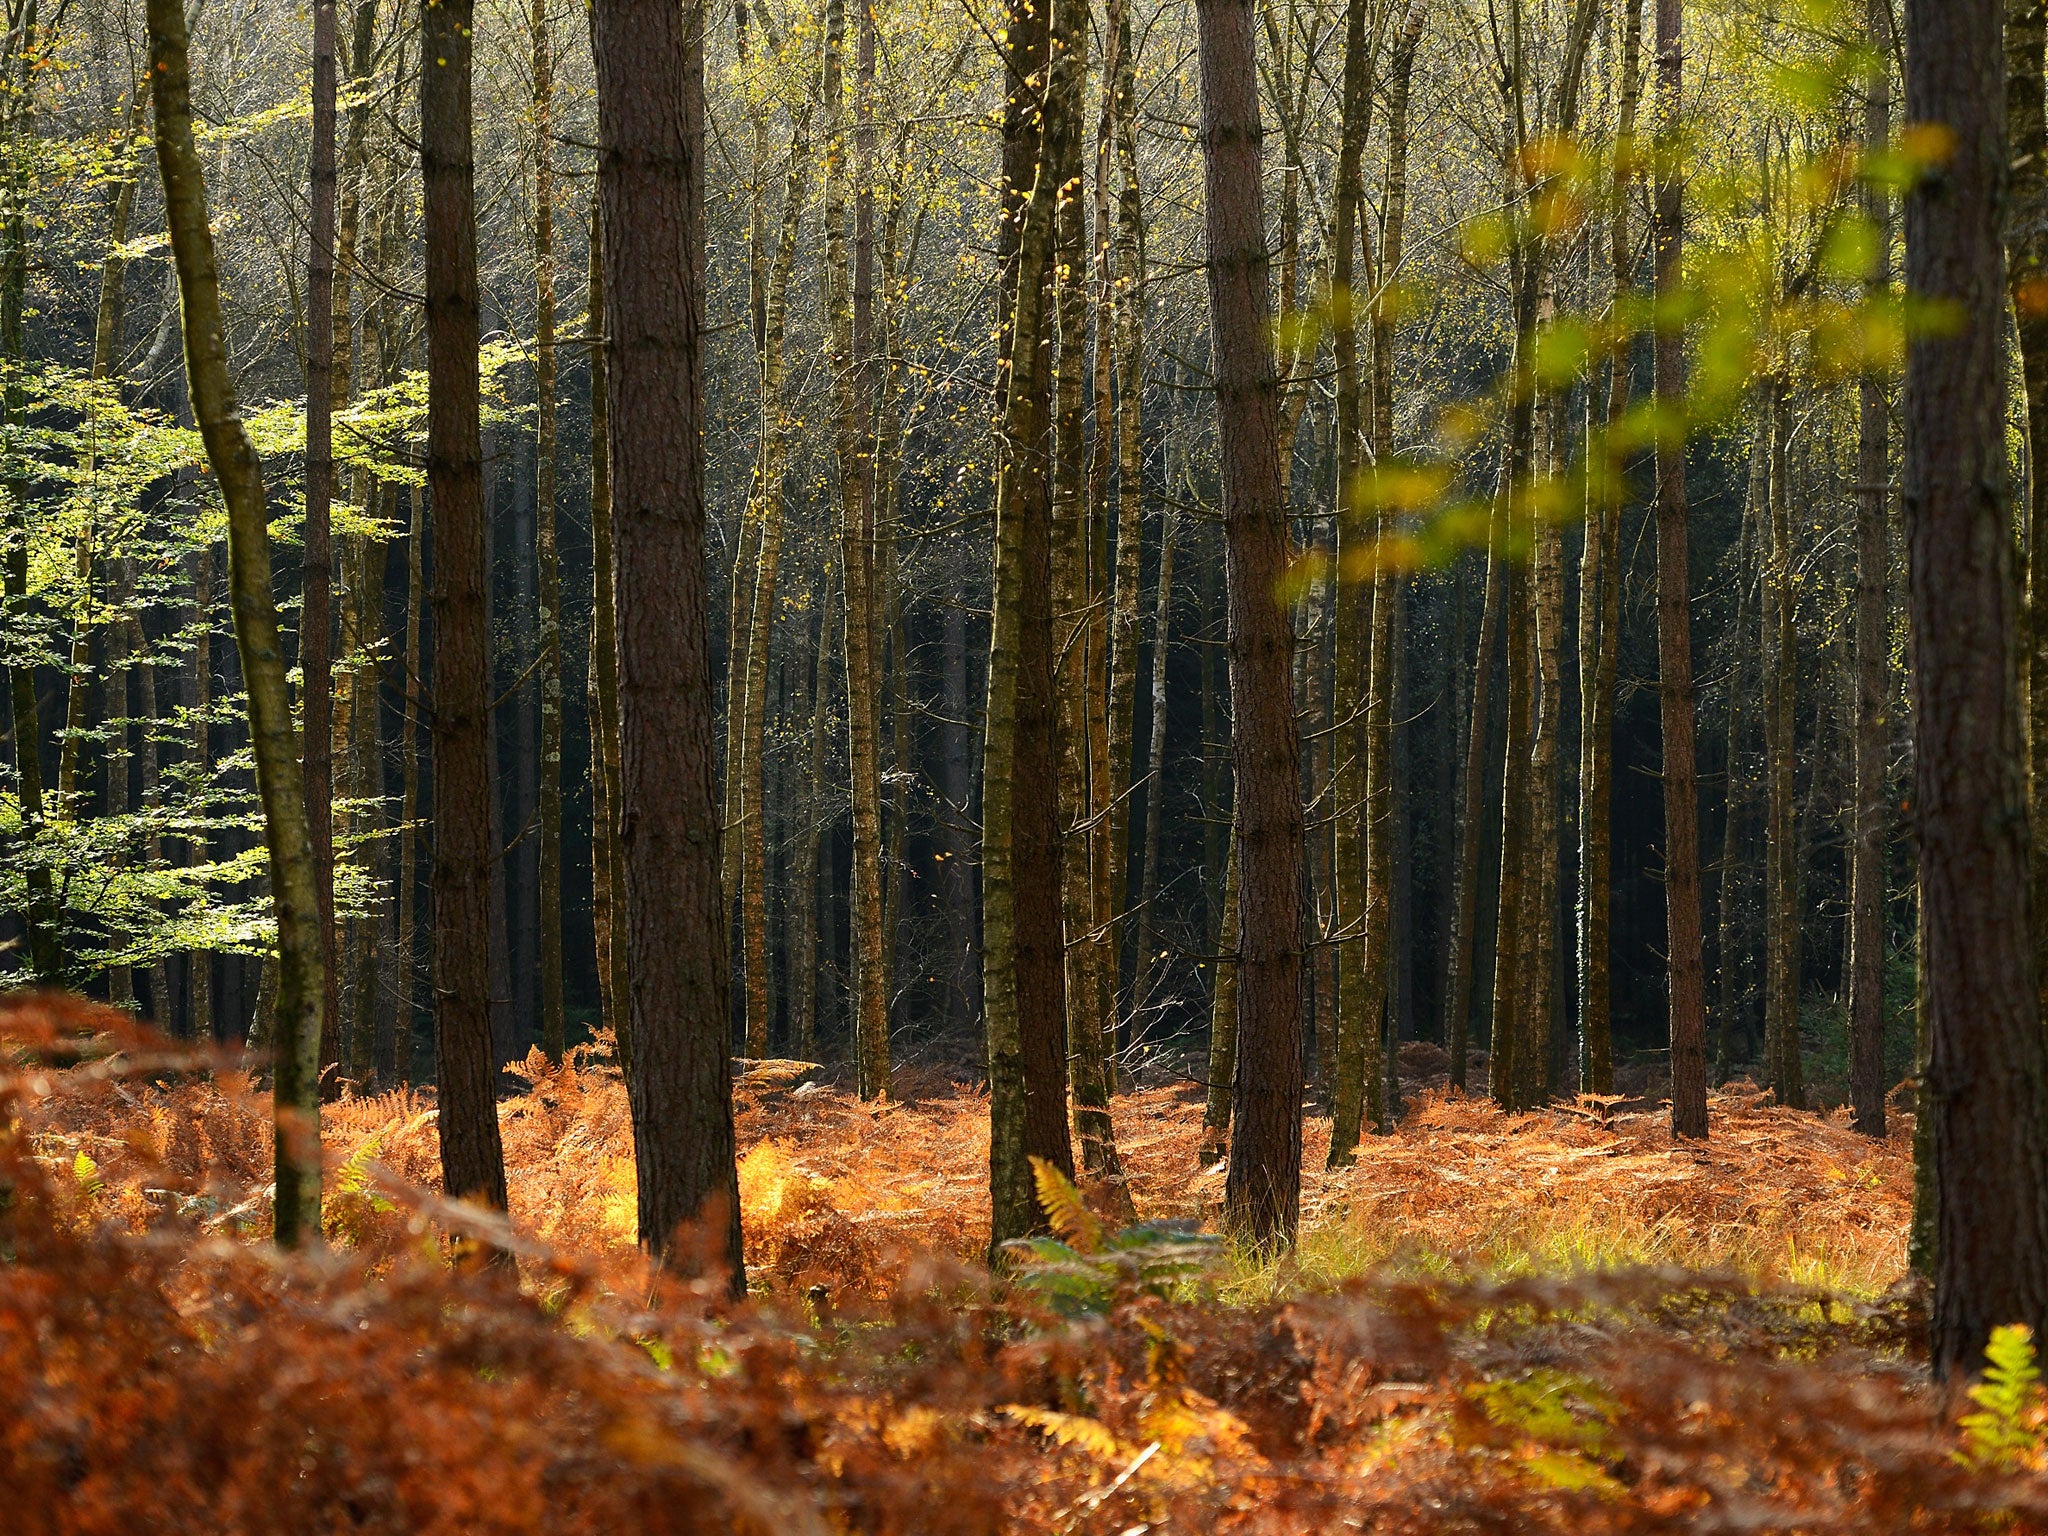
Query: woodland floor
[{"x": 1550, "y": 1321}]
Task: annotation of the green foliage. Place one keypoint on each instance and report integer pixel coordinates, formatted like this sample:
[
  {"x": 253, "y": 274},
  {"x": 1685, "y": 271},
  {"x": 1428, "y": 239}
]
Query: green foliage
[
  {"x": 1088, "y": 1269},
  {"x": 2007, "y": 1428}
]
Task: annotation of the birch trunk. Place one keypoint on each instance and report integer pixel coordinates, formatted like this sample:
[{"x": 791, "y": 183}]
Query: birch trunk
[{"x": 280, "y": 782}]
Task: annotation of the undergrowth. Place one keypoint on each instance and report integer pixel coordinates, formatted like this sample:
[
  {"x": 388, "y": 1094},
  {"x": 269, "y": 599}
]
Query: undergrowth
[{"x": 1430, "y": 1362}]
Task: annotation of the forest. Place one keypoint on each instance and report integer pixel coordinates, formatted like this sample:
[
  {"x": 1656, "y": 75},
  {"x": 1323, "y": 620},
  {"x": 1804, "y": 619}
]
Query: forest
[{"x": 1023, "y": 765}]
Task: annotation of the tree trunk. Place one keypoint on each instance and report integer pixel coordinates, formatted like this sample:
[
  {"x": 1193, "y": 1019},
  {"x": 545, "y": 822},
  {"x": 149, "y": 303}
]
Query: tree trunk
[
  {"x": 1986, "y": 1075},
  {"x": 607, "y": 852},
  {"x": 650, "y": 94},
  {"x": 407, "y": 1005},
  {"x": 1351, "y": 1075},
  {"x": 1873, "y": 640},
  {"x": 803, "y": 962},
  {"x": 547, "y": 556},
  {"x": 1262, "y": 1198},
  {"x": 1388, "y": 632},
  {"x": 1155, "y": 769},
  {"x": 1735, "y": 792},
  {"x": 1073, "y": 616},
  {"x": 1674, "y": 629},
  {"x": 316, "y": 562},
  {"x": 105, "y": 340},
  {"x": 41, "y": 922},
  {"x": 472, "y": 1155},
  {"x": 278, "y": 775},
  {"x": 1472, "y": 794},
  {"x": 1120, "y": 373},
  {"x": 1600, "y": 592},
  {"x": 1780, "y": 654},
  {"x": 849, "y": 307},
  {"x": 199, "y": 701},
  {"x": 1222, "y": 1024},
  {"x": 749, "y": 691},
  {"x": 1023, "y": 980}
]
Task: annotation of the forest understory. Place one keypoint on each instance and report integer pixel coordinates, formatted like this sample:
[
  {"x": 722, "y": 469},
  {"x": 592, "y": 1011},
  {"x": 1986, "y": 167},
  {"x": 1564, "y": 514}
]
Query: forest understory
[{"x": 1554, "y": 1320}]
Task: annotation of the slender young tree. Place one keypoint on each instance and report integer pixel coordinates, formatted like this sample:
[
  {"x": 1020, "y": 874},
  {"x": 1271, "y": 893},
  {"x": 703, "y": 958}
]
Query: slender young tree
[
  {"x": 1781, "y": 849},
  {"x": 1076, "y": 640},
  {"x": 1600, "y": 603},
  {"x": 849, "y": 303},
  {"x": 407, "y": 1005},
  {"x": 472, "y": 1154},
  {"x": 1023, "y": 964},
  {"x": 547, "y": 554},
  {"x": 1685, "y": 972},
  {"x": 199, "y": 705},
  {"x": 316, "y": 562},
  {"x": 1986, "y": 1083},
  {"x": 1873, "y": 640},
  {"x": 607, "y": 858},
  {"x": 751, "y": 675},
  {"x": 1215, "y": 1144},
  {"x": 1262, "y": 1198},
  {"x": 279, "y": 777},
  {"x": 651, "y": 169},
  {"x": 1351, "y": 1072},
  {"x": 41, "y": 919}
]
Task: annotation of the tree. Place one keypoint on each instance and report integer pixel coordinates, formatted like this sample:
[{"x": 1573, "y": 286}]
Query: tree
[
  {"x": 1685, "y": 972},
  {"x": 316, "y": 582},
  {"x": 280, "y": 779},
  {"x": 1873, "y": 644},
  {"x": 547, "y": 553},
  {"x": 1262, "y": 1198},
  {"x": 650, "y": 102},
  {"x": 1023, "y": 953},
  {"x": 1986, "y": 1084},
  {"x": 472, "y": 1154},
  {"x": 1600, "y": 622},
  {"x": 607, "y": 859}
]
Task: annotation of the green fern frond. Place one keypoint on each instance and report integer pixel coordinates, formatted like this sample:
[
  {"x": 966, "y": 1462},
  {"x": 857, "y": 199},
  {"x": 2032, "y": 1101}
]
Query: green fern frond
[{"x": 1999, "y": 1433}]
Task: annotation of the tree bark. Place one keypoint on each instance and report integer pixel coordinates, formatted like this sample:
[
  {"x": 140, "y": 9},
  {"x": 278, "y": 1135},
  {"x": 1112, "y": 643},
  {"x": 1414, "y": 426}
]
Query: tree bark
[
  {"x": 316, "y": 584},
  {"x": 1873, "y": 640},
  {"x": 1781, "y": 854},
  {"x": 199, "y": 702},
  {"x": 547, "y": 555},
  {"x": 407, "y": 1006},
  {"x": 1986, "y": 1088},
  {"x": 849, "y": 308},
  {"x": 607, "y": 854},
  {"x": 1074, "y": 631},
  {"x": 1222, "y": 1024},
  {"x": 803, "y": 962},
  {"x": 279, "y": 777},
  {"x": 1600, "y": 593},
  {"x": 1674, "y": 624},
  {"x": 472, "y": 1155},
  {"x": 1351, "y": 1074},
  {"x": 1023, "y": 969},
  {"x": 751, "y": 675},
  {"x": 42, "y": 920},
  {"x": 1262, "y": 1193},
  {"x": 650, "y": 94}
]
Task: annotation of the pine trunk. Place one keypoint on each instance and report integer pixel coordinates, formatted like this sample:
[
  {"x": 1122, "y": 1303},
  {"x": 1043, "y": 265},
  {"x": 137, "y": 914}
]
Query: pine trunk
[
  {"x": 472, "y": 1155},
  {"x": 1873, "y": 639},
  {"x": 650, "y": 96},
  {"x": 1686, "y": 982},
  {"x": 1262, "y": 1195}
]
